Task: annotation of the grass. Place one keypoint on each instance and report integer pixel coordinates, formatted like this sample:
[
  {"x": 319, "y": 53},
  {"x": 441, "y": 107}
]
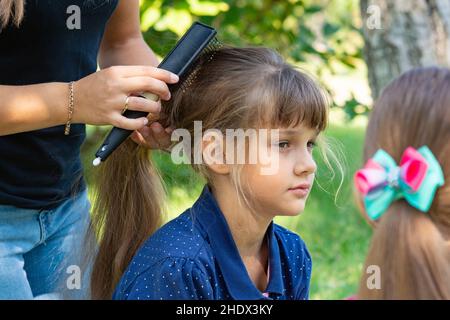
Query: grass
[{"x": 335, "y": 233}]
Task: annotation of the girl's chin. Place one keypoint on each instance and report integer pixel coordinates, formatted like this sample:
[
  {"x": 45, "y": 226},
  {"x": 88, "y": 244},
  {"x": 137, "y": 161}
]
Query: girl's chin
[{"x": 292, "y": 212}]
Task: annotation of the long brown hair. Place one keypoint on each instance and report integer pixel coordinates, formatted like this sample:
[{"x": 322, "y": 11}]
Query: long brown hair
[
  {"x": 11, "y": 10},
  {"x": 410, "y": 247},
  {"x": 237, "y": 88}
]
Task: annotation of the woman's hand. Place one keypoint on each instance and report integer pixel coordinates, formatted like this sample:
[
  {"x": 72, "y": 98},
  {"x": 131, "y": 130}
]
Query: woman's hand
[
  {"x": 100, "y": 97},
  {"x": 154, "y": 136}
]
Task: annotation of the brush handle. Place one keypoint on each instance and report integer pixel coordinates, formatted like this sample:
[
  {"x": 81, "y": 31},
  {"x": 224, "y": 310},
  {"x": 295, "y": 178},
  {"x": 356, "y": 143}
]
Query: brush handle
[
  {"x": 178, "y": 61},
  {"x": 150, "y": 96},
  {"x": 118, "y": 135}
]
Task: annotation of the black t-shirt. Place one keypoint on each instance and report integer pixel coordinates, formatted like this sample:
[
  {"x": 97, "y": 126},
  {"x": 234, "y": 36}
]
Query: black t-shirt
[{"x": 42, "y": 168}]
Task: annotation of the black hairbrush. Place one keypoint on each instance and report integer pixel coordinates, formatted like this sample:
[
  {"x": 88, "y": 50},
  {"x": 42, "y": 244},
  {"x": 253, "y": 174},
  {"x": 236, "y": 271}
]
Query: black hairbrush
[{"x": 199, "y": 39}]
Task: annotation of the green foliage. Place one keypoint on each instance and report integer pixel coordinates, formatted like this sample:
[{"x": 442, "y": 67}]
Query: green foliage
[{"x": 320, "y": 36}]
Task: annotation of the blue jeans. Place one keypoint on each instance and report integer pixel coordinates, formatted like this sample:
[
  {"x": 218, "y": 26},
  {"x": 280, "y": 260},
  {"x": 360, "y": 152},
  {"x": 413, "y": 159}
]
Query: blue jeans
[{"x": 42, "y": 252}]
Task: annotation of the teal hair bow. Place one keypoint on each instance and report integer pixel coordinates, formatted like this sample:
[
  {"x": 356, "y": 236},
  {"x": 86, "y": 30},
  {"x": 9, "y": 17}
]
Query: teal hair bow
[{"x": 382, "y": 181}]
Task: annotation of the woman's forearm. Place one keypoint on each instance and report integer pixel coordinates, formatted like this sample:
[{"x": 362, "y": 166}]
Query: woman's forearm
[
  {"x": 32, "y": 107},
  {"x": 134, "y": 51}
]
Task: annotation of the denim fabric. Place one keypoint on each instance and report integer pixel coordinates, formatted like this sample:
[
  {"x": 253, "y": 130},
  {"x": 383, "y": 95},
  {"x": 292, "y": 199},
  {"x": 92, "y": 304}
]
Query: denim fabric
[{"x": 41, "y": 251}]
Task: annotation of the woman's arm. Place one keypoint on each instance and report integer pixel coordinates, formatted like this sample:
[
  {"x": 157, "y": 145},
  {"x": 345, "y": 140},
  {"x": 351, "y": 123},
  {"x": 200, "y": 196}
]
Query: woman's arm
[
  {"x": 99, "y": 97},
  {"x": 32, "y": 107},
  {"x": 122, "y": 42}
]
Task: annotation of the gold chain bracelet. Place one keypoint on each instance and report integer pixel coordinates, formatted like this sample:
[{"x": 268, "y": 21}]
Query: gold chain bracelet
[{"x": 71, "y": 106}]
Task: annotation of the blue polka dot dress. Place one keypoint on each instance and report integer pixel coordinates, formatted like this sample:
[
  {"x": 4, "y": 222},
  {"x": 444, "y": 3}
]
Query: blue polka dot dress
[{"x": 194, "y": 257}]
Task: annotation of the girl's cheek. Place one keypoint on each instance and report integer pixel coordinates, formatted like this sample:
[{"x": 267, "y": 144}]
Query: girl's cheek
[{"x": 287, "y": 159}]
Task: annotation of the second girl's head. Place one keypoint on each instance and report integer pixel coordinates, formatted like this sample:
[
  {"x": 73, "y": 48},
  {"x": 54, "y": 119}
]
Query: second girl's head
[{"x": 412, "y": 247}]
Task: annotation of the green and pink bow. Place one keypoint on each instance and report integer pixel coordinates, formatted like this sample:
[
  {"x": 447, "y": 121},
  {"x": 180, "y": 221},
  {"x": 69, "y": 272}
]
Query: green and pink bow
[{"x": 381, "y": 181}]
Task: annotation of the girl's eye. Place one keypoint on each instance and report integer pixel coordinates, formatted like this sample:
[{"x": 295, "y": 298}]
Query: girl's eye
[
  {"x": 283, "y": 145},
  {"x": 311, "y": 144}
]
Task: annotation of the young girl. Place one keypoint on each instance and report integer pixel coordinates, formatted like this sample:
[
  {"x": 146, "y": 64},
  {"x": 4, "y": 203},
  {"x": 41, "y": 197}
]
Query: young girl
[
  {"x": 226, "y": 246},
  {"x": 405, "y": 189}
]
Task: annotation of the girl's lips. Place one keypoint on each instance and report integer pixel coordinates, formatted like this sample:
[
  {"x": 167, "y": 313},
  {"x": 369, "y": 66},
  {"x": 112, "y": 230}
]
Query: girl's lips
[{"x": 300, "y": 190}]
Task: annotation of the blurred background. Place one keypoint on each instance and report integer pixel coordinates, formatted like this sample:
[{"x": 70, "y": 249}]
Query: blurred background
[{"x": 353, "y": 48}]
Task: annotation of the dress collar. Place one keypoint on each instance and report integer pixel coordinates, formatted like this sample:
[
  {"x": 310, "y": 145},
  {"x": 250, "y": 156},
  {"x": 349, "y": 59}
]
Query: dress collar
[{"x": 206, "y": 211}]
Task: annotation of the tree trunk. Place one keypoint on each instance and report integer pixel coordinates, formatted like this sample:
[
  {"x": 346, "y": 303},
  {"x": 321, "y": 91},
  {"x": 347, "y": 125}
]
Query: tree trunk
[{"x": 403, "y": 34}]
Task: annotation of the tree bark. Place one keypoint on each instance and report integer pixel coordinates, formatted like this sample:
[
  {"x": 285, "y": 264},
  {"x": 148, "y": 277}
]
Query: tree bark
[{"x": 411, "y": 33}]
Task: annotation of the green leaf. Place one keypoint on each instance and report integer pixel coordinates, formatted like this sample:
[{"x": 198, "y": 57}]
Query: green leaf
[
  {"x": 176, "y": 20},
  {"x": 149, "y": 18},
  {"x": 329, "y": 29},
  {"x": 313, "y": 9},
  {"x": 207, "y": 8}
]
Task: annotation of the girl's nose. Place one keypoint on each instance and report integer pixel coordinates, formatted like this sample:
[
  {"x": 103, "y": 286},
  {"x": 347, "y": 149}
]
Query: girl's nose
[{"x": 305, "y": 164}]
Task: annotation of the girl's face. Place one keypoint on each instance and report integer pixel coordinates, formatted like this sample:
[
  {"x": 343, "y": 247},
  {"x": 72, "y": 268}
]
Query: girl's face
[{"x": 285, "y": 190}]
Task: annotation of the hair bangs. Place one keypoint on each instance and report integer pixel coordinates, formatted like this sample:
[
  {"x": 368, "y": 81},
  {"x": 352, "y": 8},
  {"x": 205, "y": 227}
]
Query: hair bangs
[{"x": 288, "y": 98}]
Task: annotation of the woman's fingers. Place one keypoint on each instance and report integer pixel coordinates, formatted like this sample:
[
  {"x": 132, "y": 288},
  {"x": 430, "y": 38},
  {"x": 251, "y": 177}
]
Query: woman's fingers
[
  {"x": 142, "y": 104},
  {"x": 161, "y": 135},
  {"x": 101, "y": 96},
  {"x": 137, "y": 137},
  {"x": 154, "y": 137},
  {"x": 146, "y": 71},
  {"x": 146, "y": 84},
  {"x": 120, "y": 121}
]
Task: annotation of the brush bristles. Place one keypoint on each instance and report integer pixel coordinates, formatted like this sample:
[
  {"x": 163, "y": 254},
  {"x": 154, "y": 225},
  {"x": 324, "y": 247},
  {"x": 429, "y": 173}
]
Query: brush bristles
[{"x": 210, "y": 50}]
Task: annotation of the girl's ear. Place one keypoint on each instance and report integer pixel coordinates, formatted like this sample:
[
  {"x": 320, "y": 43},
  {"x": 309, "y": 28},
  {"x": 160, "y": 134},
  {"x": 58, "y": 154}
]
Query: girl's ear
[
  {"x": 222, "y": 169},
  {"x": 213, "y": 152}
]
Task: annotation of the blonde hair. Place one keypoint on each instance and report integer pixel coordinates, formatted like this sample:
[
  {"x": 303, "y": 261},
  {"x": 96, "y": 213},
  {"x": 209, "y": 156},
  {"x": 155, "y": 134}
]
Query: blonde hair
[
  {"x": 410, "y": 247},
  {"x": 11, "y": 10},
  {"x": 239, "y": 88}
]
